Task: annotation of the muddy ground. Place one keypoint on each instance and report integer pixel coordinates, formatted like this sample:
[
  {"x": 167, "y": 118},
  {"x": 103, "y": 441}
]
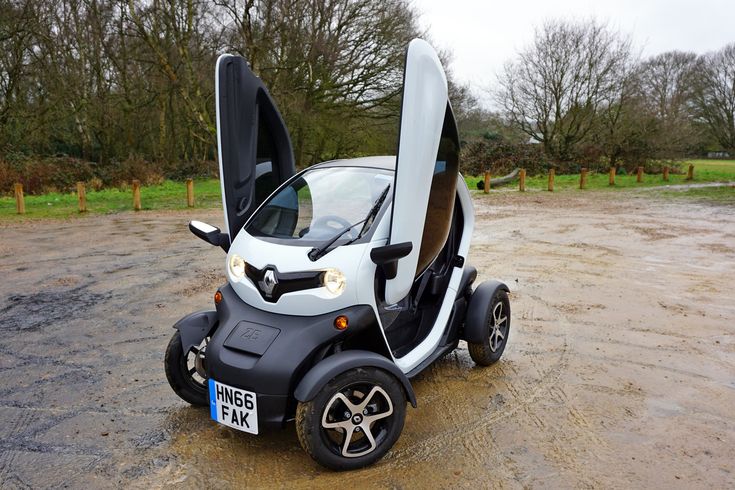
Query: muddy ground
[{"x": 620, "y": 370}]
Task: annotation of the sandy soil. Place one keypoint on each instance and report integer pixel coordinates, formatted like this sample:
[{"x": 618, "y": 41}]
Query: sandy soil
[{"x": 620, "y": 370}]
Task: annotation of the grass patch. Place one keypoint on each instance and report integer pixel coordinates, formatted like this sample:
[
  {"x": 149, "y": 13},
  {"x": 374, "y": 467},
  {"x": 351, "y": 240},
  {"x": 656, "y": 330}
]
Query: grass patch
[
  {"x": 169, "y": 195},
  {"x": 704, "y": 171},
  {"x": 172, "y": 195},
  {"x": 717, "y": 195}
]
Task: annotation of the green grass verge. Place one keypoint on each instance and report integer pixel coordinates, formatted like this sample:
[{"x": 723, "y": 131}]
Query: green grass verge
[
  {"x": 704, "y": 171},
  {"x": 169, "y": 195},
  {"x": 172, "y": 195},
  {"x": 713, "y": 195}
]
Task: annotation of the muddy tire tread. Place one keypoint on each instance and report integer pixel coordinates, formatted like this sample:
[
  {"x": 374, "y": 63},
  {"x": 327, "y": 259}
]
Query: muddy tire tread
[
  {"x": 480, "y": 352},
  {"x": 172, "y": 365},
  {"x": 308, "y": 419}
]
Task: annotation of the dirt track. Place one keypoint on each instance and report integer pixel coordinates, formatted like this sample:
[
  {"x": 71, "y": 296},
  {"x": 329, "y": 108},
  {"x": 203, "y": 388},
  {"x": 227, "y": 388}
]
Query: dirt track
[{"x": 620, "y": 370}]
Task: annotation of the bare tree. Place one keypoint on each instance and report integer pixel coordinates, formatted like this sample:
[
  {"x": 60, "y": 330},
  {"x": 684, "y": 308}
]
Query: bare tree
[
  {"x": 665, "y": 80},
  {"x": 128, "y": 83},
  {"x": 714, "y": 94},
  {"x": 556, "y": 87},
  {"x": 17, "y": 37},
  {"x": 334, "y": 66},
  {"x": 664, "y": 86},
  {"x": 619, "y": 122},
  {"x": 181, "y": 43}
]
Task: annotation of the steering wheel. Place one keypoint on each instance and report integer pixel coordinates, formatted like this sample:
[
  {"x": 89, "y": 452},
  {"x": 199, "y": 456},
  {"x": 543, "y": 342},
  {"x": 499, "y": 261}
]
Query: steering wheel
[{"x": 330, "y": 223}]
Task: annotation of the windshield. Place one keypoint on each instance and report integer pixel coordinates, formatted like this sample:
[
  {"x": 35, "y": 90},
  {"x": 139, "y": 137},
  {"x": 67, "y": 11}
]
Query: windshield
[{"x": 319, "y": 204}]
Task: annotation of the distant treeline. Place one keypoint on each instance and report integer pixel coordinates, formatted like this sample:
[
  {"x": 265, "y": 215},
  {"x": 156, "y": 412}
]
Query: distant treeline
[
  {"x": 108, "y": 81},
  {"x": 112, "y": 90},
  {"x": 581, "y": 96}
]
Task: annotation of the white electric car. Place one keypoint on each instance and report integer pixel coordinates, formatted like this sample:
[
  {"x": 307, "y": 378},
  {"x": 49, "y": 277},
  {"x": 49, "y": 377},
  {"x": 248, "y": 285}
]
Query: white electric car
[{"x": 344, "y": 280}]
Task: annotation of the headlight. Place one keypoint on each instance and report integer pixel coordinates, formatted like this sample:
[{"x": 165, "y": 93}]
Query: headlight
[
  {"x": 334, "y": 281},
  {"x": 237, "y": 266}
]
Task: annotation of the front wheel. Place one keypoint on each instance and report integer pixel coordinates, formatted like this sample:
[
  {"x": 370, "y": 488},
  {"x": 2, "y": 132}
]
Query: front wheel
[
  {"x": 184, "y": 372},
  {"x": 354, "y": 420},
  {"x": 495, "y": 334}
]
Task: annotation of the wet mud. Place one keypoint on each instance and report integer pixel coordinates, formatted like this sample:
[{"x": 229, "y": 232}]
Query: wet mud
[{"x": 620, "y": 369}]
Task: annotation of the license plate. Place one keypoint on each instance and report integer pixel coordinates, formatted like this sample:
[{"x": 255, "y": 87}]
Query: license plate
[{"x": 233, "y": 407}]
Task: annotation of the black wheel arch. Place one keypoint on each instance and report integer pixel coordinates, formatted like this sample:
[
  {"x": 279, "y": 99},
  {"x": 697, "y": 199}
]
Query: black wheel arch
[
  {"x": 194, "y": 327},
  {"x": 327, "y": 369},
  {"x": 476, "y": 320}
]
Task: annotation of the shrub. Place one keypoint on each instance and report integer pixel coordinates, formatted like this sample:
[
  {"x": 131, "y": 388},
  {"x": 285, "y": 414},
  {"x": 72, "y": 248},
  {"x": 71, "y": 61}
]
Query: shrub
[
  {"x": 61, "y": 173},
  {"x": 95, "y": 183},
  {"x": 38, "y": 176},
  {"x": 500, "y": 156}
]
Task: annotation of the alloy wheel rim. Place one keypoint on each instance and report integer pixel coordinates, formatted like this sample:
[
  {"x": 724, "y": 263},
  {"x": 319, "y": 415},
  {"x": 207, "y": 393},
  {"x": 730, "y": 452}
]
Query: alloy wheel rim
[
  {"x": 356, "y": 422},
  {"x": 498, "y": 328},
  {"x": 195, "y": 364}
]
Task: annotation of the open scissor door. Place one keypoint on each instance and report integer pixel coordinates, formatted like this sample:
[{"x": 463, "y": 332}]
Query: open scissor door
[
  {"x": 254, "y": 148},
  {"x": 426, "y": 169}
]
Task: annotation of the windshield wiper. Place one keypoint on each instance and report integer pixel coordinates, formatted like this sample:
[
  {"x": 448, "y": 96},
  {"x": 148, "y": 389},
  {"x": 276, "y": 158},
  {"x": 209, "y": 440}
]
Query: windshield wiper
[
  {"x": 317, "y": 253},
  {"x": 374, "y": 211}
]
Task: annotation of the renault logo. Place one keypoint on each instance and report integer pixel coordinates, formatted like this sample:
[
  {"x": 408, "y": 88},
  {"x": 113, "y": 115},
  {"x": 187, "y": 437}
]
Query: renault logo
[{"x": 269, "y": 282}]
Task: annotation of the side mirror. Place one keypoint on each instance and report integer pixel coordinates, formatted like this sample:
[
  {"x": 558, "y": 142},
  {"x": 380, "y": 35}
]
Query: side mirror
[
  {"x": 210, "y": 234},
  {"x": 387, "y": 257}
]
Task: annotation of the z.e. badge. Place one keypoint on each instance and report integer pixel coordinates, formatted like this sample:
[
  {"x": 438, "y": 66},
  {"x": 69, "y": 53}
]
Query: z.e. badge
[{"x": 233, "y": 407}]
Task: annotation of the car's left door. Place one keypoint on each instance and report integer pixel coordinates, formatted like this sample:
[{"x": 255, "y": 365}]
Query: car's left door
[{"x": 254, "y": 148}]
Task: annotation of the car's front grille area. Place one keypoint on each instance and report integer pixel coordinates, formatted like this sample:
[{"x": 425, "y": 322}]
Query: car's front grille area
[{"x": 272, "y": 284}]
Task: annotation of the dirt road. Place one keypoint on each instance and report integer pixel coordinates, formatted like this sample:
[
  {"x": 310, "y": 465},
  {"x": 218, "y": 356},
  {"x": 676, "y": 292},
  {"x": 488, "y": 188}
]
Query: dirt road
[{"x": 620, "y": 370}]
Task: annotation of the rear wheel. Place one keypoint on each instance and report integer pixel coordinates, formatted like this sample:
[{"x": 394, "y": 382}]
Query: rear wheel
[
  {"x": 354, "y": 420},
  {"x": 495, "y": 335},
  {"x": 185, "y": 372}
]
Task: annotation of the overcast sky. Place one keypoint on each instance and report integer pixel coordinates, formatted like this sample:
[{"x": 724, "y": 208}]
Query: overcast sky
[{"x": 482, "y": 35}]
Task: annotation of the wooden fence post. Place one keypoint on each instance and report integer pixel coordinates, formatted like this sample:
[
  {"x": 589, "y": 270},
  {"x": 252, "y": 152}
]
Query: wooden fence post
[
  {"x": 522, "y": 181},
  {"x": 190, "y": 192},
  {"x": 551, "y": 179},
  {"x": 690, "y": 174},
  {"x": 136, "y": 195},
  {"x": 82, "y": 195},
  {"x": 486, "y": 189},
  {"x": 612, "y": 176},
  {"x": 639, "y": 177},
  {"x": 666, "y": 173},
  {"x": 583, "y": 178},
  {"x": 20, "y": 203}
]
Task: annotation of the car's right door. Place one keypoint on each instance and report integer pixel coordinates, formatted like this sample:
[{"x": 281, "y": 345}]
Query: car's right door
[{"x": 426, "y": 169}]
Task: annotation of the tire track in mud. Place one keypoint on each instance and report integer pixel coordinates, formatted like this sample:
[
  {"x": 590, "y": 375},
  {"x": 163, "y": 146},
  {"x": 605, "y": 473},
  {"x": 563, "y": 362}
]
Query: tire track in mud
[
  {"x": 19, "y": 444},
  {"x": 8, "y": 476},
  {"x": 523, "y": 396}
]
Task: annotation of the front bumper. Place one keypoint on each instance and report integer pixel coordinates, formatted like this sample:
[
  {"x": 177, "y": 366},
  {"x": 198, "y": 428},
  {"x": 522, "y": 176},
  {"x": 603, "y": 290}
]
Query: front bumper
[{"x": 268, "y": 353}]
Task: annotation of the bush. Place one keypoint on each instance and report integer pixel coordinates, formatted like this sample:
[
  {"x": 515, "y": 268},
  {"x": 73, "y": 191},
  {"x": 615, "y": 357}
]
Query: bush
[
  {"x": 132, "y": 168},
  {"x": 500, "y": 156},
  {"x": 61, "y": 173},
  {"x": 657, "y": 166},
  {"x": 38, "y": 176}
]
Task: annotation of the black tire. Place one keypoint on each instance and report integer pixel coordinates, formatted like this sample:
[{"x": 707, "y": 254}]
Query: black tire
[
  {"x": 180, "y": 376},
  {"x": 491, "y": 348},
  {"x": 326, "y": 445}
]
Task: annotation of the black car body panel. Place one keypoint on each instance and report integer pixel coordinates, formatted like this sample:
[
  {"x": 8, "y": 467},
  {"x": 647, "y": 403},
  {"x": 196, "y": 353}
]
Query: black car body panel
[
  {"x": 269, "y": 353},
  {"x": 194, "y": 327}
]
